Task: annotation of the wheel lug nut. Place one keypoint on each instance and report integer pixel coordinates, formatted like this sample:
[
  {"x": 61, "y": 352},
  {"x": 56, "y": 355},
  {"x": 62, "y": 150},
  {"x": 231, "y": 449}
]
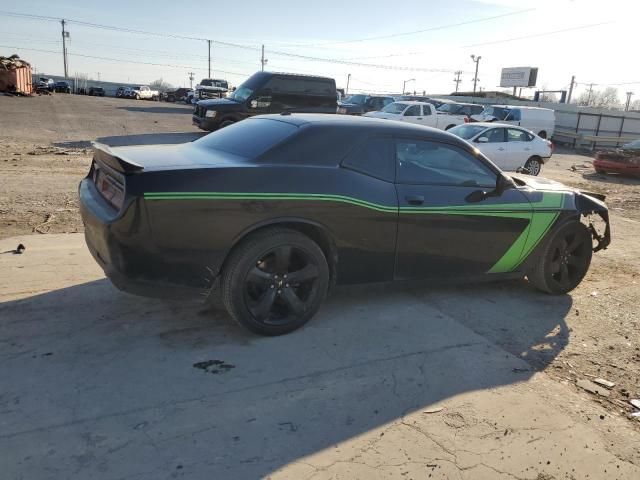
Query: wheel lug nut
[
  {"x": 279, "y": 291},
  {"x": 286, "y": 285},
  {"x": 285, "y": 276},
  {"x": 273, "y": 286}
]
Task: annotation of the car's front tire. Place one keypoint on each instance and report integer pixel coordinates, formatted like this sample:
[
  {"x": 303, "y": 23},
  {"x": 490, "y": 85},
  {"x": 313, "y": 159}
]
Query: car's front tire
[
  {"x": 275, "y": 281},
  {"x": 564, "y": 260},
  {"x": 534, "y": 165},
  {"x": 226, "y": 123}
]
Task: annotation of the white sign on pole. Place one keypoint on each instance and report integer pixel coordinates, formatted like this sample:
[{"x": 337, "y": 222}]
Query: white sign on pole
[{"x": 519, "y": 77}]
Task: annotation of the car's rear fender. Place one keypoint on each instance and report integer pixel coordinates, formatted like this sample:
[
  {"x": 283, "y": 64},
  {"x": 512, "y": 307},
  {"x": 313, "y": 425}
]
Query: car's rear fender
[{"x": 317, "y": 232}]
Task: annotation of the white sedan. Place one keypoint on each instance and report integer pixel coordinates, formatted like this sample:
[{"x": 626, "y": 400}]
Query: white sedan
[{"x": 507, "y": 146}]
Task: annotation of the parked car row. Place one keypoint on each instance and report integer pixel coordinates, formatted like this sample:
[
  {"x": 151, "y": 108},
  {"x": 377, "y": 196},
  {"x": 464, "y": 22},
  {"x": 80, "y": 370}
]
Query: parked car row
[
  {"x": 139, "y": 92},
  {"x": 517, "y": 143}
]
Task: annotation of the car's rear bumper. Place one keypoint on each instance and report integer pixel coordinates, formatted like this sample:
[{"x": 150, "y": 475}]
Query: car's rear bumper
[{"x": 124, "y": 251}]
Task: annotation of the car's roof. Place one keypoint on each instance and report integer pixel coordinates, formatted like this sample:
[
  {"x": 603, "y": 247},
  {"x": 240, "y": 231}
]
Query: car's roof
[
  {"x": 360, "y": 124},
  {"x": 412, "y": 102},
  {"x": 522, "y": 107},
  {"x": 495, "y": 124}
]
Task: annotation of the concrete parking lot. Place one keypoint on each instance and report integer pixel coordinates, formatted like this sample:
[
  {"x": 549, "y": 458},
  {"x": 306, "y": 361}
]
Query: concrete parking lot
[{"x": 406, "y": 382}]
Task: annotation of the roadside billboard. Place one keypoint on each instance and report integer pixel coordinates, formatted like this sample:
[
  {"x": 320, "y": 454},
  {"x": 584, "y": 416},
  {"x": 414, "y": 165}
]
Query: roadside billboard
[{"x": 519, "y": 77}]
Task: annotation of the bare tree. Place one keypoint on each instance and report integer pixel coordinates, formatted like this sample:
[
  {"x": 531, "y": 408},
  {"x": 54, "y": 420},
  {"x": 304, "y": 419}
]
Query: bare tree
[
  {"x": 160, "y": 85},
  {"x": 635, "y": 105},
  {"x": 607, "y": 98}
]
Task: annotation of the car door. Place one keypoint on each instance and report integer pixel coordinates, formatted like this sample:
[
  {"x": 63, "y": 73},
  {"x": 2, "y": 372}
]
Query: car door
[
  {"x": 413, "y": 114},
  {"x": 518, "y": 147},
  {"x": 495, "y": 146},
  {"x": 442, "y": 232}
]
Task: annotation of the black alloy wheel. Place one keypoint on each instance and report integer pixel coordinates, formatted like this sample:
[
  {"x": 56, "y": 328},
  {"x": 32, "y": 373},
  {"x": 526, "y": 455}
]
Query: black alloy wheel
[
  {"x": 275, "y": 281},
  {"x": 565, "y": 260},
  {"x": 279, "y": 288}
]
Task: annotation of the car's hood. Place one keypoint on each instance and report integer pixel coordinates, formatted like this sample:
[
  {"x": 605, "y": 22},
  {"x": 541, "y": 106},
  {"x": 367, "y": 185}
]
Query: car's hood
[
  {"x": 541, "y": 183},
  {"x": 219, "y": 104},
  {"x": 165, "y": 157},
  {"x": 388, "y": 116}
]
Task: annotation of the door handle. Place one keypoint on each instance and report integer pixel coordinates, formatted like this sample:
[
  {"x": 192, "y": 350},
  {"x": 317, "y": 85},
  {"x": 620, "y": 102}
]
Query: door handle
[
  {"x": 414, "y": 199},
  {"x": 527, "y": 149},
  {"x": 419, "y": 118},
  {"x": 501, "y": 149}
]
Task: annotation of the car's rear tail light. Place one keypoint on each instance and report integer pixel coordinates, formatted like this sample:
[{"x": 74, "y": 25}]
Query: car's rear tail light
[
  {"x": 467, "y": 120},
  {"x": 551, "y": 146},
  {"x": 110, "y": 186}
]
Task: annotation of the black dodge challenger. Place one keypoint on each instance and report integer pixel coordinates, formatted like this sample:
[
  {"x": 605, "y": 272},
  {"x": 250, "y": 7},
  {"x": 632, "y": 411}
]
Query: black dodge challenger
[{"x": 273, "y": 211}]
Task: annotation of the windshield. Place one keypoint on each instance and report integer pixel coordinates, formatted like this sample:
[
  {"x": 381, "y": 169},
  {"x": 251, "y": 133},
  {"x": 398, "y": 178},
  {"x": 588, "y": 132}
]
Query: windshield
[
  {"x": 450, "y": 108},
  {"x": 467, "y": 131},
  {"x": 497, "y": 112},
  {"x": 241, "y": 94},
  {"x": 357, "y": 99},
  {"x": 395, "y": 108}
]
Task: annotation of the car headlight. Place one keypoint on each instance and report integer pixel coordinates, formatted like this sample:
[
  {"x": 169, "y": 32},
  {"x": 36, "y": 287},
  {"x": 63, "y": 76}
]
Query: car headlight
[{"x": 211, "y": 114}]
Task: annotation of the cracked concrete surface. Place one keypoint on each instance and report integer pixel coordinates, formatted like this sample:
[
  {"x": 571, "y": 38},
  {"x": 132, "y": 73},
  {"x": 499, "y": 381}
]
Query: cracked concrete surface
[{"x": 99, "y": 384}]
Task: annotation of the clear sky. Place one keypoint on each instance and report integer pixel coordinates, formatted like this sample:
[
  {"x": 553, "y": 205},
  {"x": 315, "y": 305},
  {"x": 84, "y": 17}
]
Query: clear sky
[{"x": 594, "y": 40}]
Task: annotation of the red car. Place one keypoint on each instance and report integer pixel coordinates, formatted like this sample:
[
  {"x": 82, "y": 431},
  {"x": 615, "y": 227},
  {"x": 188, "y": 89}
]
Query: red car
[{"x": 624, "y": 160}]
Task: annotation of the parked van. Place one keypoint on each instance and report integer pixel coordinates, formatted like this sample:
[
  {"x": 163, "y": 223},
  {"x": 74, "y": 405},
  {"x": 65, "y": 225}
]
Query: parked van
[
  {"x": 267, "y": 92},
  {"x": 541, "y": 121}
]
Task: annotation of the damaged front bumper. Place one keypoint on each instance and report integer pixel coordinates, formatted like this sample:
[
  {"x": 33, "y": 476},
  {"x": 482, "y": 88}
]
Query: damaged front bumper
[{"x": 589, "y": 204}]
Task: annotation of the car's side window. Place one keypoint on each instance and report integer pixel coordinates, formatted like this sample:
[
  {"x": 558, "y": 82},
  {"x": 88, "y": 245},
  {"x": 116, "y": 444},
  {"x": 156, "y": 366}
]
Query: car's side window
[
  {"x": 514, "y": 115},
  {"x": 374, "y": 158},
  {"x": 434, "y": 163},
  {"x": 426, "y": 110},
  {"x": 515, "y": 135},
  {"x": 495, "y": 135},
  {"x": 412, "y": 111},
  {"x": 387, "y": 101}
]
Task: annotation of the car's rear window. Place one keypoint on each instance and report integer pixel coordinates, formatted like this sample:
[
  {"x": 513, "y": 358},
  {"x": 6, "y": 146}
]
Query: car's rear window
[{"x": 249, "y": 138}]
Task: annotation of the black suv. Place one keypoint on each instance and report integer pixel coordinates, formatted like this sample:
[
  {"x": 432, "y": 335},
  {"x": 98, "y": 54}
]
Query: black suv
[
  {"x": 359, "y": 104},
  {"x": 267, "y": 92}
]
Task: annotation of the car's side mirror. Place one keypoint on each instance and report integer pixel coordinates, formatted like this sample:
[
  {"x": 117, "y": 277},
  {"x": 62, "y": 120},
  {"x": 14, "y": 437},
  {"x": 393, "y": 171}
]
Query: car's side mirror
[
  {"x": 503, "y": 183},
  {"x": 477, "y": 196},
  {"x": 482, "y": 140}
]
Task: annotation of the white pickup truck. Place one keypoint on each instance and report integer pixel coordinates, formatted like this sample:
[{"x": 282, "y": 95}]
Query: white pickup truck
[
  {"x": 143, "y": 92},
  {"x": 421, "y": 113}
]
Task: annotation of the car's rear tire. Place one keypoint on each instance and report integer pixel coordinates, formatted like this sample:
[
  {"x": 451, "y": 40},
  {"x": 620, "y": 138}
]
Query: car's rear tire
[
  {"x": 274, "y": 281},
  {"x": 600, "y": 171},
  {"x": 543, "y": 134},
  {"x": 564, "y": 260},
  {"x": 534, "y": 165}
]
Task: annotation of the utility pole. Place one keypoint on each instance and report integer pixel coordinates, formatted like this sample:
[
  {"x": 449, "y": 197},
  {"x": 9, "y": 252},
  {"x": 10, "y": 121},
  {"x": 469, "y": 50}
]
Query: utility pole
[
  {"x": 346, "y": 92},
  {"x": 404, "y": 84},
  {"x": 457, "y": 79},
  {"x": 209, "y": 44},
  {"x": 98, "y": 75},
  {"x": 65, "y": 35},
  {"x": 590, "y": 92},
  {"x": 191, "y": 77},
  {"x": 263, "y": 61},
  {"x": 629, "y": 94},
  {"x": 573, "y": 82},
  {"x": 476, "y": 60}
]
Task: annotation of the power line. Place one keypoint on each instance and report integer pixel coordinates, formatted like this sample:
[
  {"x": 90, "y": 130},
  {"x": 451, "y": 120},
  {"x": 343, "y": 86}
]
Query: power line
[
  {"x": 414, "y": 32},
  {"x": 124, "y": 61}
]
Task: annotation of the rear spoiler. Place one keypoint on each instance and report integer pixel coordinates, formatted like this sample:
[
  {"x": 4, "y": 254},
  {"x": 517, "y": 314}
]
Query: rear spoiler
[{"x": 103, "y": 154}]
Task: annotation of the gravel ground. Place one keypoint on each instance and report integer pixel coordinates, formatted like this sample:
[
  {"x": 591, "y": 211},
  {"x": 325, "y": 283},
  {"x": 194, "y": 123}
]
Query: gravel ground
[{"x": 45, "y": 151}]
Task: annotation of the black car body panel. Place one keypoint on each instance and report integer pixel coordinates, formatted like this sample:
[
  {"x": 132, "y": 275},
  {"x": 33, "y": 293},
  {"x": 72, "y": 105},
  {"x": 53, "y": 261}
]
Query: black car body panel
[
  {"x": 185, "y": 207},
  {"x": 268, "y": 92}
]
